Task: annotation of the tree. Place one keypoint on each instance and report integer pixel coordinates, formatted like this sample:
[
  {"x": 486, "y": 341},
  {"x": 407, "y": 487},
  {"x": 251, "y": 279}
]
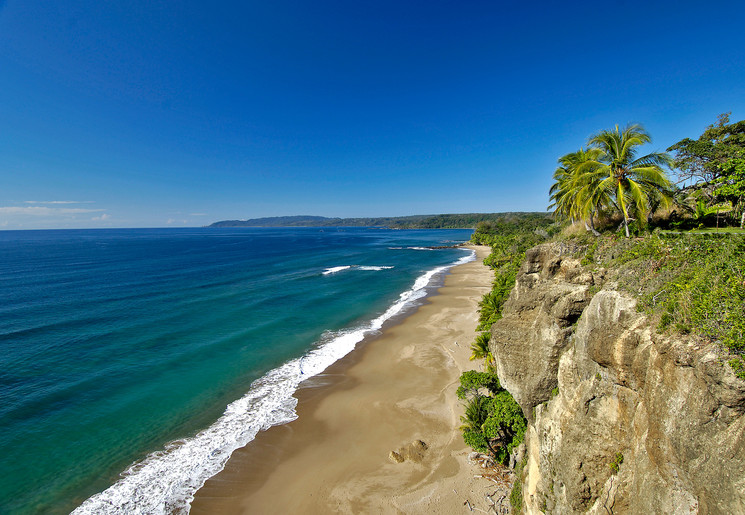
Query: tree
[
  {"x": 474, "y": 384},
  {"x": 730, "y": 185},
  {"x": 702, "y": 159},
  {"x": 621, "y": 179},
  {"x": 716, "y": 158},
  {"x": 480, "y": 348},
  {"x": 504, "y": 427},
  {"x": 493, "y": 422},
  {"x": 572, "y": 194}
]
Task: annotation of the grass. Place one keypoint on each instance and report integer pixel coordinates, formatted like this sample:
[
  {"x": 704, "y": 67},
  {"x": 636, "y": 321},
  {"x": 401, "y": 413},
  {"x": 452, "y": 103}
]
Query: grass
[
  {"x": 690, "y": 283},
  {"x": 708, "y": 230}
]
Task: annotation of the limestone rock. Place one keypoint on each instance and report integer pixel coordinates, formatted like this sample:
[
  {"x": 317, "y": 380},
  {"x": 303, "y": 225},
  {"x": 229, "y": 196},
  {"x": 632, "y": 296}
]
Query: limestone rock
[
  {"x": 395, "y": 457},
  {"x": 671, "y": 407},
  {"x": 550, "y": 293},
  {"x": 413, "y": 452}
]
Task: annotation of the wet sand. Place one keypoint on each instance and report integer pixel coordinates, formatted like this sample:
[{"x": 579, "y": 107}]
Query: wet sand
[{"x": 395, "y": 393}]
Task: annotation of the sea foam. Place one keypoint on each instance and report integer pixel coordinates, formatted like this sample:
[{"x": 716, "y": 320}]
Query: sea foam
[
  {"x": 166, "y": 481},
  {"x": 336, "y": 269}
]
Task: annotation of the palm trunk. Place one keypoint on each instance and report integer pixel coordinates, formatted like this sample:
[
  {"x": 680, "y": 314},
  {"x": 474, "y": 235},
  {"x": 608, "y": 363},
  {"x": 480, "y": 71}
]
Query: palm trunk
[
  {"x": 622, "y": 205},
  {"x": 626, "y": 224},
  {"x": 590, "y": 228}
]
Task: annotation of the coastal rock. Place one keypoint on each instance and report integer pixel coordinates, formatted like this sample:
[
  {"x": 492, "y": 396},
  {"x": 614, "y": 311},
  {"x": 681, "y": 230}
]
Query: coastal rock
[
  {"x": 412, "y": 452},
  {"x": 550, "y": 294},
  {"x": 621, "y": 419},
  {"x": 395, "y": 457}
]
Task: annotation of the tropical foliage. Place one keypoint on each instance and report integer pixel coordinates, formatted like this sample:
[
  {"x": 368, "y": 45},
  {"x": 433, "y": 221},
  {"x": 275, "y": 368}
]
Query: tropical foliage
[
  {"x": 493, "y": 422},
  {"x": 701, "y": 160},
  {"x": 609, "y": 177},
  {"x": 480, "y": 348},
  {"x": 508, "y": 242},
  {"x": 715, "y": 164},
  {"x": 730, "y": 185}
]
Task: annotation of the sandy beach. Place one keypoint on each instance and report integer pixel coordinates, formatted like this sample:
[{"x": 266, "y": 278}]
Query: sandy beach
[{"x": 395, "y": 393}]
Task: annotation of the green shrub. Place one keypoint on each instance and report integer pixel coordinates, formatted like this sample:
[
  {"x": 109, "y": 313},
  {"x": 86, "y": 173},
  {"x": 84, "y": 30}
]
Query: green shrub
[
  {"x": 493, "y": 422},
  {"x": 516, "y": 495},
  {"x": 471, "y": 383},
  {"x": 616, "y": 463},
  {"x": 476, "y": 441}
]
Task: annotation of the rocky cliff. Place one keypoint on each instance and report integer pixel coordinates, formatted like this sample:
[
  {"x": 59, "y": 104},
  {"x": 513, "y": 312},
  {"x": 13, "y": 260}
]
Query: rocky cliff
[{"x": 621, "y": 418}]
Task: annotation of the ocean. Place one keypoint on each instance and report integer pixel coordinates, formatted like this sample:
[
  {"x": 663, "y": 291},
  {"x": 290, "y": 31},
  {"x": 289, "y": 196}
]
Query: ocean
[{"x": 134, "y": 361}]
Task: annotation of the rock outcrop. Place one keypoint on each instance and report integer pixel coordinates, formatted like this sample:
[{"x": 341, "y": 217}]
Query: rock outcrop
[{"x": 621, "y": 419}]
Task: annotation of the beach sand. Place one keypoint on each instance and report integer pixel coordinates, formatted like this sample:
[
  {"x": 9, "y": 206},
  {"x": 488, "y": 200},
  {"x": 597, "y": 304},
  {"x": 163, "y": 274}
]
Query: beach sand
[{"x": 395, "y": 393}]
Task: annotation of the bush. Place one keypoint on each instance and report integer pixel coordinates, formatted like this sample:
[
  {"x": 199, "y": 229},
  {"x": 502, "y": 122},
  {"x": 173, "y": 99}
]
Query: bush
[
  {"x": 616, "y": 463},
  {"x": 493, "y": 422},
  {"x": 471, "y": 382}
]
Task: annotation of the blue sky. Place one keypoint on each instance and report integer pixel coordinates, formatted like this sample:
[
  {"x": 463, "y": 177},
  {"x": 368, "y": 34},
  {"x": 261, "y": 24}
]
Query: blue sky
[{"x": 164, "y": 113}]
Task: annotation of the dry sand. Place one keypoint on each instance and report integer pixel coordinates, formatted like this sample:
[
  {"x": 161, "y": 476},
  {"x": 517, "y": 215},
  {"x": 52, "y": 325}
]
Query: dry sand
[{"x": 396, "y": 393}]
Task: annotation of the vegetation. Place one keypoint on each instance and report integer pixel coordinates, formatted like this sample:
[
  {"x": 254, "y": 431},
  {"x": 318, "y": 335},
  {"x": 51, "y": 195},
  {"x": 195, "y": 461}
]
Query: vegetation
[
  {"x": 615, "y": 465},
  {"x": 516, "y": 495},
  {"x": 480, "y": 348},
  {"x": 508, "y": 241},
  {"x": 690, "y": 283},
  {"x": 493, "y": 422},
  {"x": 447, "y": 221},
  {"x": 701, "y": 160},
  {"x": 609, "y": 178},
  {"x": 714, "y": 164}
]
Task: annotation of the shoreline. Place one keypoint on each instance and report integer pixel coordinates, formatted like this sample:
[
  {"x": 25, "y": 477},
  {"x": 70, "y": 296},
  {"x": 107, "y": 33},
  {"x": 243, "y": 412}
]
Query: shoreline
[{"x": 386, "y": 397}]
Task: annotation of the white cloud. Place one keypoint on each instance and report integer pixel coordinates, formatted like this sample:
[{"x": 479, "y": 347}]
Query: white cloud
[
  {"x": 58, "y": 202},
  {"x": 56, "y": 214},
  {"x": 197, "y": 214},
  {"x": 45, "y": 211}
]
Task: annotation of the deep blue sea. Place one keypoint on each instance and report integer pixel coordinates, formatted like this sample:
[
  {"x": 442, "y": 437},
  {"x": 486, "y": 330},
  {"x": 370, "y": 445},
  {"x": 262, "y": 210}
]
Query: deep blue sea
[{"x": 133, "y": 362}]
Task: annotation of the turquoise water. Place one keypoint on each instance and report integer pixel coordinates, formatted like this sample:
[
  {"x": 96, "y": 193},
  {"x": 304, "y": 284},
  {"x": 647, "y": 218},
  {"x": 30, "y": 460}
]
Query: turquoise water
[{"x": 169, "y": 348}]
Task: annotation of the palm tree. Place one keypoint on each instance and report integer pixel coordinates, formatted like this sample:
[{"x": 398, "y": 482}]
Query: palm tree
[
  {"x": 617, "y": 176},
  {"x": 480, "y": 348},
  {"x": 477, "y": 411},
  {"x": 562, "y": 194},
  {"x": 574, "y": 194}
]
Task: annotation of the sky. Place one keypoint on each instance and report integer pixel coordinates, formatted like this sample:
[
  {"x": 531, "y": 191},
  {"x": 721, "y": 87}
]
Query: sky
[{"x": 161, "y": 113}]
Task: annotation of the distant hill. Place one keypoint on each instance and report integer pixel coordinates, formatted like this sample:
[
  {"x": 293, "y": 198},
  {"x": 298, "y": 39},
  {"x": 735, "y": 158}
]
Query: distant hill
[{"x": 449, "y": 221}]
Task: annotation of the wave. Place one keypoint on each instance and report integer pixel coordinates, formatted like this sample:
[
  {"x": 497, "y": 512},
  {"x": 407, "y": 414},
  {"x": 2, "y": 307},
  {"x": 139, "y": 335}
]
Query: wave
[
  {"x": 166, "y": 481},
  {"x": 337, "y": 269}
]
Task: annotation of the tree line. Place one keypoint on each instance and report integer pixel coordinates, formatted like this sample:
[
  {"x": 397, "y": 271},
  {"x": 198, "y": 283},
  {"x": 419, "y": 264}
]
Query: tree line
[{"x": 441, "y": 221}]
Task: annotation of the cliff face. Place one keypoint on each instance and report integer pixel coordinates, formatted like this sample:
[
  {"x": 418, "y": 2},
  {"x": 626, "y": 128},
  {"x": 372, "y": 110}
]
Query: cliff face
[{"x": 621, "y": 419}]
